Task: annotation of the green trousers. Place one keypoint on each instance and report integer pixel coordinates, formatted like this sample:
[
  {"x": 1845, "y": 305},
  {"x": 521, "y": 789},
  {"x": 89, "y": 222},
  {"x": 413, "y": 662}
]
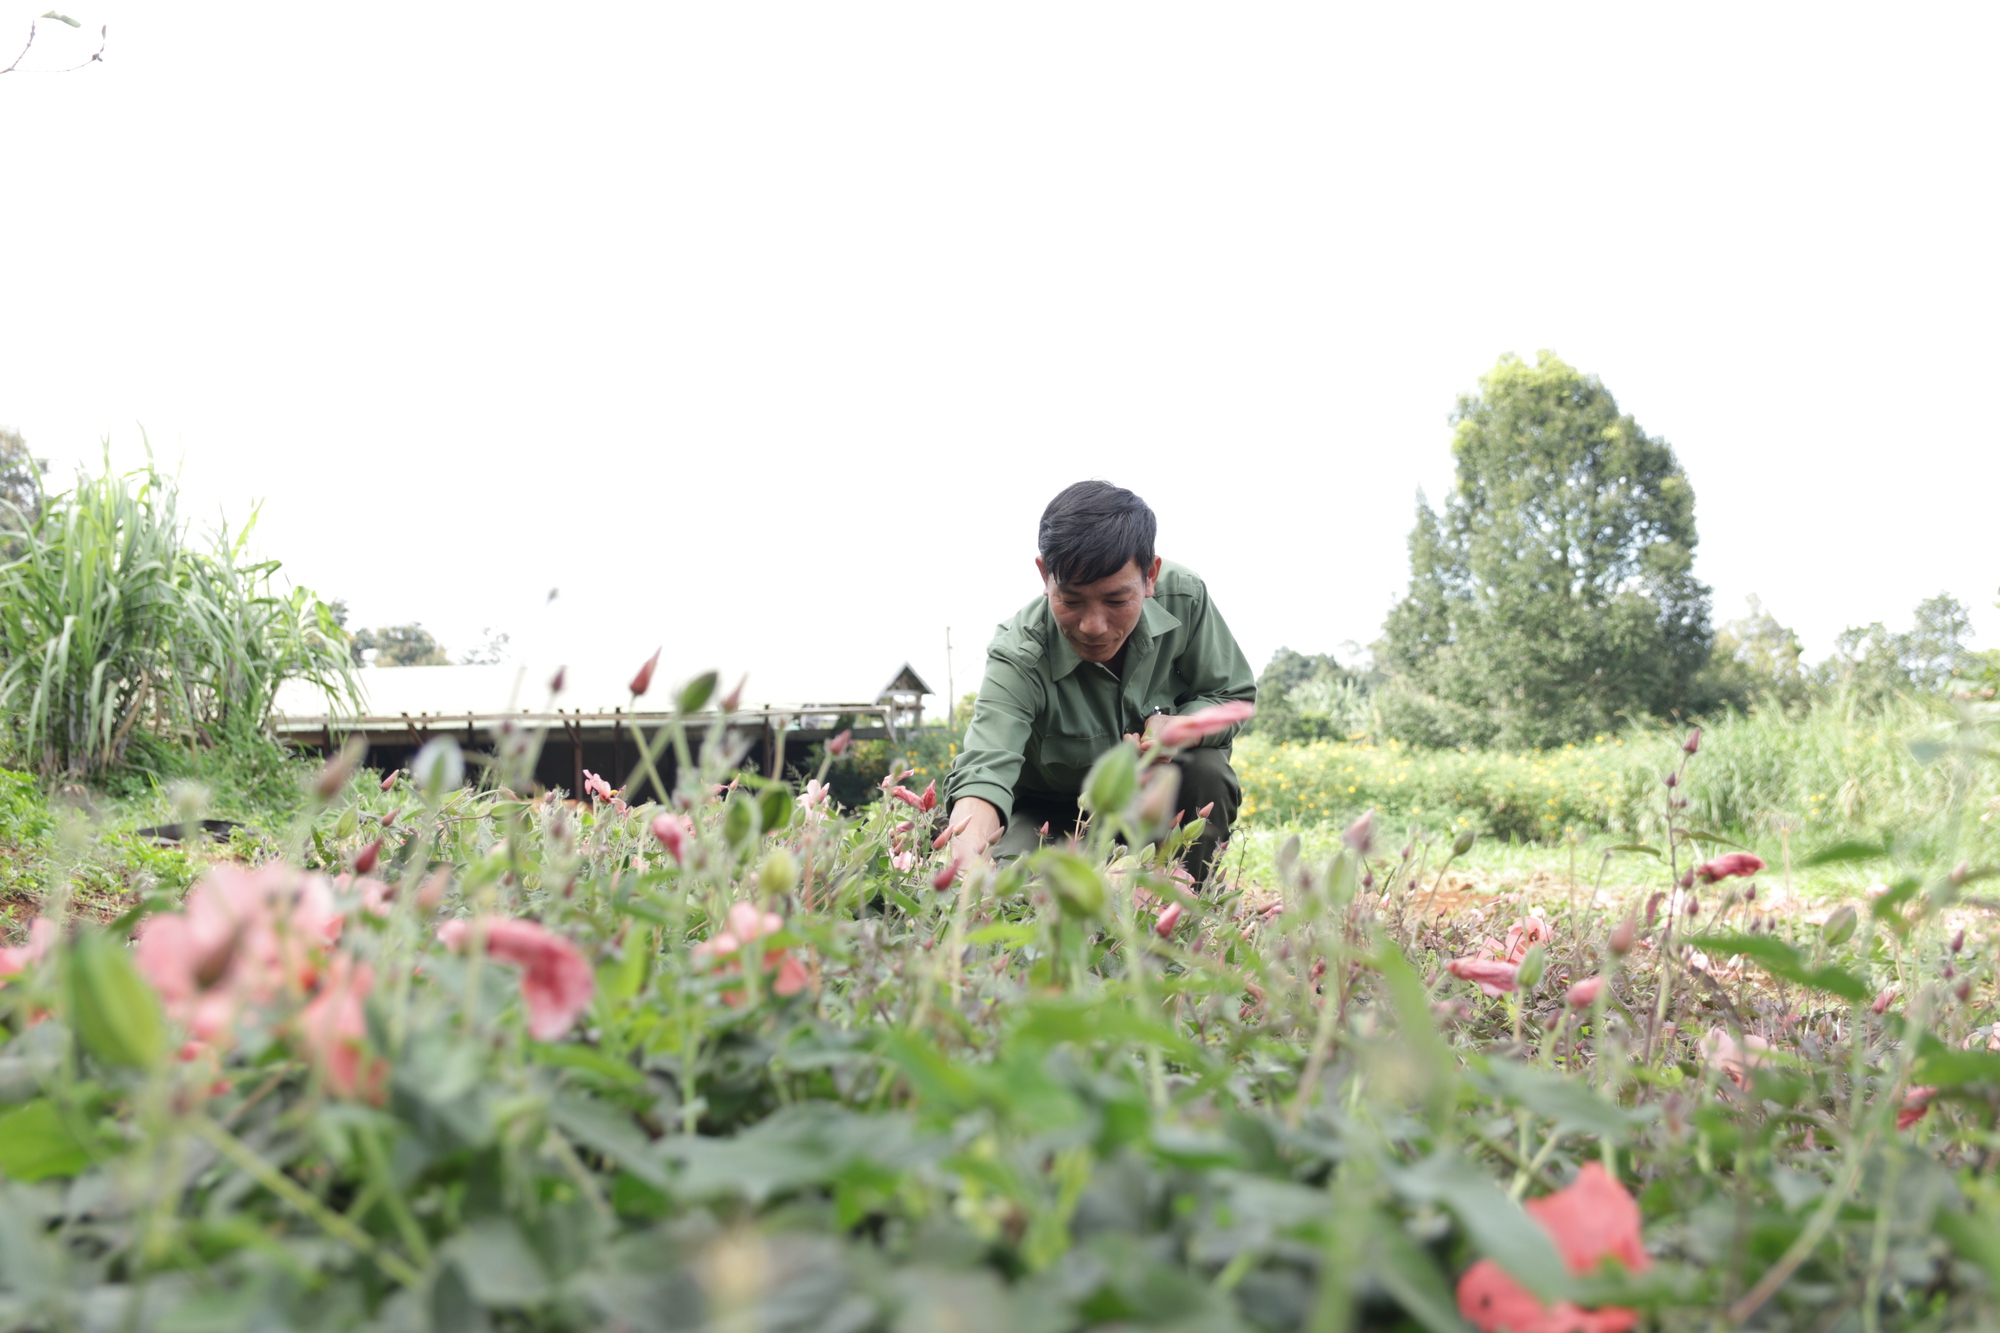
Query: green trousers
[{"x": 1206, "y": 777}]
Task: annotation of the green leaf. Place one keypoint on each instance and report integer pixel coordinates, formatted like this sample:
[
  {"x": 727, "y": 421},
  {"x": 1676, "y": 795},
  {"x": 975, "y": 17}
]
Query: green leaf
[
  {"x": 1703, "y": 835},
  {"x": 62, "y": 18},
  {"x": 739, "y": 819},
  {"x": 35, "y": 1144},
  {"x": 1782, "y": 960},
  {"x": 586, "y": 1059},
  {"x": 1575, "y": 1107},
  {"x": 498, "y": 1264},
  {"x": 1079, "y": 888},
  {"x": 116, "y": 1014},
  {"x": 1113, "y": 779},
  {"x": 1498, "y": 1226},
  {"x": 608, "y": 1131},
  {"x": 697, "y": 692},
  {"x": 1643, "y": 847},
  {"x": 1412, "y": 1278},
  {"x": 774, "y": 806},
  {"x": 1001, "y": 932},
  {"x": 1945, "y": 1066},
  {"x": 1844, "y": 853}
]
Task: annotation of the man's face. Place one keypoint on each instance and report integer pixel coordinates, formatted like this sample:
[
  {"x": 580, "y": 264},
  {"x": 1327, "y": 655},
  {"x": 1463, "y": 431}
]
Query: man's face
[{"x": 1098, "y": 617}]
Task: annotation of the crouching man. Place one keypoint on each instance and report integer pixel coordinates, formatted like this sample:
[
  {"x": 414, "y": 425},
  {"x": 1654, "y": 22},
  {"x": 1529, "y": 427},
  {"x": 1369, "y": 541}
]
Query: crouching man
[{"x": 1118, "y": 642}]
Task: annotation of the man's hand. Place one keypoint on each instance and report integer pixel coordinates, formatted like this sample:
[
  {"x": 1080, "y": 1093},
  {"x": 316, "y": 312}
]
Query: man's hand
[
  {"x": 1144, "y": 740},
  {"x": 974, "y": 825}
]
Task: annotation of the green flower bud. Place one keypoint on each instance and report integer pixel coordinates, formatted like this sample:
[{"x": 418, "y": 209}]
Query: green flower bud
[
  {"x": 1463, "y": 842},
  {"x": 1532, "y": 966},
  {"x": 778, "y": 873},
  {"x": 1113, "y": 780},
  {"x": 116, "y": 1014},
  {"x": 1839, "y": 928}
]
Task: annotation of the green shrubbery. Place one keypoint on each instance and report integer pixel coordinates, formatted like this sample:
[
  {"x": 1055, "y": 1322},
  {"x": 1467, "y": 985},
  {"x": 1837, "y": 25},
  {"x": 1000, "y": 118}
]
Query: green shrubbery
[{"x": 1825, "y": 774}]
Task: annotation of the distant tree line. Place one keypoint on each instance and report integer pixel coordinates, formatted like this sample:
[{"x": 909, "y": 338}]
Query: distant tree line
[{"x": 1553, "y": 599}]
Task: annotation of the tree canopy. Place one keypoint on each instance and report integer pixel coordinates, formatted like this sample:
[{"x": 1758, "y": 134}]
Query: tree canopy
[{"x": 1555, "y": 597}]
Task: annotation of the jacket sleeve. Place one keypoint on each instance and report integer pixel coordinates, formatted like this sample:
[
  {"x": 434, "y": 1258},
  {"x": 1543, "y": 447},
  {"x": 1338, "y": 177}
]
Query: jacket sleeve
[
  {"x": 996, "y": 742},
  {"x": 1214, "y": 666}
]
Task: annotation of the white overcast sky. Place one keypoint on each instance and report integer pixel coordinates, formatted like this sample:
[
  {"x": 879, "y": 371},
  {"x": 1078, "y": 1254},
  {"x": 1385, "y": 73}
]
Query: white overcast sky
[{"x": 767, "y": 330}]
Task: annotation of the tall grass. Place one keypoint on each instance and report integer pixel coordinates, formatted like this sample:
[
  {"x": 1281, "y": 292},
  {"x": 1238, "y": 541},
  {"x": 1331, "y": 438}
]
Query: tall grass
[
  {"x": 110, "y": 621},
  {"x": 1832, "y": 772}
]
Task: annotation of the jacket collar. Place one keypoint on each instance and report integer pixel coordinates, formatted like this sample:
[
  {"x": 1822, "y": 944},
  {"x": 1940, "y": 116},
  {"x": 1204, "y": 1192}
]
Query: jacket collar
[{"x": 1154, "y": 621}]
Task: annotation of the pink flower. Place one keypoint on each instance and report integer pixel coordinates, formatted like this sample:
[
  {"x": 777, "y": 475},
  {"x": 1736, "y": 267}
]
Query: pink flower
[
  {"x": 1734, "y": 1060},
  {"x": 18, "y": 958},
  {"x": 1584, "y": 993},
  {"x": 1590, "y": 1220},
  {"x": 1522, "y": 936},
  {"x": 1732, "y": 863},
  {"x": 904, "y": 861},
  {"x": 556, "y": 981},
  {"x": 909, "y": 798},
  {"x": 744, "y": 926},
  {"x": 1188, "y": 728},
  {"x": 1493, "y": 977},
  {"x": 948, "y": 876},
  {"x": 243, "y": 937},
  {"x": 1916, "y": 1105},
  {"x": 673, "y": 832},
  {"x": 334, "y": 1031},
  {"x": 597, "y": 787},
  {"x": 643, "y": 681},
  {"x": 1169, "y": 918}
]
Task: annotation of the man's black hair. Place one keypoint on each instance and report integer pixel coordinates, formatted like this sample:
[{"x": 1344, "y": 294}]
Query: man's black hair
[{"x": 1093, "y": 530}]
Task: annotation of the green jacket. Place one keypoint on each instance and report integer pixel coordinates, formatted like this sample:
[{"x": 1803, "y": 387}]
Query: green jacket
[{"x": 1044, "y": 714}]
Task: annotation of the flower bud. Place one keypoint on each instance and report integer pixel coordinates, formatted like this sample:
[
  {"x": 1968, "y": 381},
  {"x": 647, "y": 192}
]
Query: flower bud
[
  {"x": 1653, "y": 908},
  {"x": 1687, "y": 880},
  {"x": 1169, "y": 918},
  {"x": 556, "y": 681},
  {"x": 1693, "y": 742},
  {"x": 389, "y": 782},
  {"x": 643, "y": 680},
  {"x": 1360, "y": 835},
  {"x": 1694, "y": 906},
  {"x": 1884, "y": 1000},
  {"x": 1463, "y": 842},
  {"x": 837, "y": 746},
  {"x": 1958, "y": 940},
  {"x": 1624, "y": 937},
  {"x": 1839, "y": 928},
  {"x": 1531, "y": 969},
  {"x": 339, "y": 769},
  {"x": 1409, "y": 850},
  {"x": 948, "y": 876},
  {"x": 732, "y": 700},
  {"x": 1584, "y": 993},
  {"x": 1963, "y": 990},
  {"x": 672, "y": 833},
  {"x": 389, "y": 820},
  {"x": 1959, "y": 874},
  {"x": 1673, "y": 779},
  {"x": 778, "y": 872},
  {"x": 365, "y": 861}
]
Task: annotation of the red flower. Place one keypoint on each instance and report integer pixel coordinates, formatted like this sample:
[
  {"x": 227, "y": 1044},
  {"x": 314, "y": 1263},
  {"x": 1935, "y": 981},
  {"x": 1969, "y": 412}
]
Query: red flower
[
  {"x": 644, "y": 680},
  {"x": 556, "y": 981},
  {"x": 1188, "y": 728},
  {"x": 929, "y": 799},
  {"x": 1732, "y": 863},
  {"x": 1493, "y": 977},
  {"x": 1590, "y": 1220},
  {"x": 1584, "y": 993}
]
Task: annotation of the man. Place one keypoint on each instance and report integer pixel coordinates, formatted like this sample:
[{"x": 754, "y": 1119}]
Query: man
[{"x": 1118, "y": 641}]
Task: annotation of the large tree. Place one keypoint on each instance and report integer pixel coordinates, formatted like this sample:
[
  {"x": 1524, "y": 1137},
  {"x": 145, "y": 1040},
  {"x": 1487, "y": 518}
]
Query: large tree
[{"x": 1555, "y": 597}]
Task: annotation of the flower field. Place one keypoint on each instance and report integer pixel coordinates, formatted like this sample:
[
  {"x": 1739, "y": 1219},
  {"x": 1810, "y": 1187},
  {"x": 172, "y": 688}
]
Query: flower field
[{"x": 445, "y": 1056}]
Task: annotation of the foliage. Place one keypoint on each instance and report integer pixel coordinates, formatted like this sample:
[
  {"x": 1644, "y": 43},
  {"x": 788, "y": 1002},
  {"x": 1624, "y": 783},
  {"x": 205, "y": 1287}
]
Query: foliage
[
  {"x": 399, "y": 646},
  {"x": 1555, "y": 599},
  {"x": 1756, "y": 663},
  {"x": 1068, "y": 1095},
  {"x": 1311, "y": 698},
  {"x": 1872, "y": 662},
  {"x": 110, "y": 622},
  {"x": 20, "y": 487},
  {"x": 1834, "y": 766}
]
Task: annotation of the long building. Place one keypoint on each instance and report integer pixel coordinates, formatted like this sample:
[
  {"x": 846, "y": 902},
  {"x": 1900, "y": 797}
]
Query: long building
[{"x": 593, "y": 722}]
